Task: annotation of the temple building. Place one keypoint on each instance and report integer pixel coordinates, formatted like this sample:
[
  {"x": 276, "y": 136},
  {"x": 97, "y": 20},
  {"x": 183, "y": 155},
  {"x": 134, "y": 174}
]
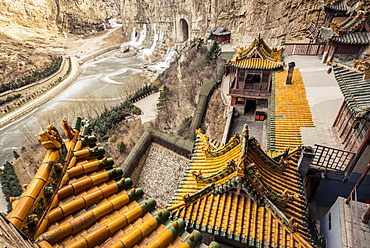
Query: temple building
[
  {"x": 346, "y": 35},
  {"x": 242, "y": 197},
  {"x": 334, "y": 9},
  {"x": 76, "y": 199},
  {"x": 352, "y": 124},
  {"x": 233, "y": 194},
  {"x": 221, "y": 35},
  {"x": 250, "y": 72}
]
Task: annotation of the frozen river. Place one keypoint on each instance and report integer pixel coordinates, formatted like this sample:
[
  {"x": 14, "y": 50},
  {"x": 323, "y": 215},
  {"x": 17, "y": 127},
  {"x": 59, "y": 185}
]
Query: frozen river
[{"x": 102, "y": 81}]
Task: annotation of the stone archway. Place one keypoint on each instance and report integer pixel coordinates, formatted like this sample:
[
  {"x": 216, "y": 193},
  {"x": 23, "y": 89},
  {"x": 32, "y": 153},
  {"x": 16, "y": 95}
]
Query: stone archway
[{"x": 184, "y": 30}]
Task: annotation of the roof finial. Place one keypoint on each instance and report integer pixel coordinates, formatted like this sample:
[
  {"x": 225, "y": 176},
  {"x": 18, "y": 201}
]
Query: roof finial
[{"x": 245, "y": 138}]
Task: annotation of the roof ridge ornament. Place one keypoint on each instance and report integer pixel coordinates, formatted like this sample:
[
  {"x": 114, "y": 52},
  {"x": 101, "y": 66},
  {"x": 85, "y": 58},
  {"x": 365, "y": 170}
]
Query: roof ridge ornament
[
  {"x": 228, "y": 169},
  {"x": 284, "y": 161},
  {"x": 362, "y": 66}
]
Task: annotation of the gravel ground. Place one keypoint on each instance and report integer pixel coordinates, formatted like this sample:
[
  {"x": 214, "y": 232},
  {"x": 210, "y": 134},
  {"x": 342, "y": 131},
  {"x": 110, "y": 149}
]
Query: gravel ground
[{"x": 161, "y": 174}]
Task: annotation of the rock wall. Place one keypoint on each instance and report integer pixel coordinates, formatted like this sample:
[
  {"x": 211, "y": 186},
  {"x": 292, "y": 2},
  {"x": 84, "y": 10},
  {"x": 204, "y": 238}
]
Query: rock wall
[
  {"x": 276, "y": 21},
  {"x": 28, "y": 29},
  {"x": 42, "y": 18},
  {"x": 86, "y": 16}
]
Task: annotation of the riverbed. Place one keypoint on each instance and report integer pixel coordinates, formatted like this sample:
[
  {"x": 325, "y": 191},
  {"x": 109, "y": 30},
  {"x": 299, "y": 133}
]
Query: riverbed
[{"x": 102, "y": 82}]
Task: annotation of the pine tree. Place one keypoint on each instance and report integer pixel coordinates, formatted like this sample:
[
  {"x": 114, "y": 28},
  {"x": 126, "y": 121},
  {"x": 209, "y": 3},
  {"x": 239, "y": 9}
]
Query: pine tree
[
  {"x": 213, "y": 53},
  {"x": 121, "y": 147},
  {"x": 15, "y": 154},
  {"x": 163, "y": 98}
]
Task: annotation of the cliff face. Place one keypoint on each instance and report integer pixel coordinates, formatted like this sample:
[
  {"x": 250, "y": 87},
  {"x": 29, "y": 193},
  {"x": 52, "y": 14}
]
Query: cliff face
[
  {"x": 74, "y": 16},
  {"x": 276, "y": 21},
  {"x": 28, "y": 30},
  {"x": 86, "y": 16}
]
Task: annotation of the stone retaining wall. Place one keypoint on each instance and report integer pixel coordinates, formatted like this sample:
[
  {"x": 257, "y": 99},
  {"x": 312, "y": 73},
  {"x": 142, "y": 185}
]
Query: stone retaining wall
[
  {"x": 174, "y": 143},
  {"x": 136, "y": 154},
  {"x": 100, "y": 52},
  {"x": 204, "y": 95},
  {"x": 161, "y": 173}
]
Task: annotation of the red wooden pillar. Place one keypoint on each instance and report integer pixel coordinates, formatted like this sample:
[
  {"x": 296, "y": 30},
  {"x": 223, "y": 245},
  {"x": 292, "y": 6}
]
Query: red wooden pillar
[
  {"x": 359, "y": 181},
  {"x": 332, "y": 52},
  {"x": 269, "y": 81},
  {"x": 233, "y": 101},
  {"x": 326, "y": 51},
  {"x": 364, "y": 143}
]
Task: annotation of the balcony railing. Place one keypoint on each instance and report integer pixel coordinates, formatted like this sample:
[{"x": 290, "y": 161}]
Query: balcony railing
[
  {"x": 303, "y": 48},
  {"x": 331, "y": 159},
  {"x": 250, "y": 92}
]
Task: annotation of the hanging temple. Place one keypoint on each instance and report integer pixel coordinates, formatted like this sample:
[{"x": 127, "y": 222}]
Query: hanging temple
[{"x": 235, "y": 192}]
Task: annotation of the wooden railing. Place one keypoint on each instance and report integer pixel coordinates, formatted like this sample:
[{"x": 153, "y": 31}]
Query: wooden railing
[
  {"x": 314, "y": 32},
  {"x": 331, "y": 159},
  {"x": 303, "y": 48},
  {"x": 348, "y": 49},
  {"x": 250, "y": 92}
]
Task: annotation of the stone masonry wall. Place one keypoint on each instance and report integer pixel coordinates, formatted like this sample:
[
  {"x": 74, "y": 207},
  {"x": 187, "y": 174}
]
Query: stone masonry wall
[{"x": 161, "y": 173}]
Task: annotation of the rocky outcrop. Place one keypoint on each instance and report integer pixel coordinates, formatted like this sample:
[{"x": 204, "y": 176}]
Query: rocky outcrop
[
  {"x": 276, "y": 21},
  {"x": 86, "y": 16},
  {"x": 28, "y": 30},
  {"x": 42, "y": 18}
]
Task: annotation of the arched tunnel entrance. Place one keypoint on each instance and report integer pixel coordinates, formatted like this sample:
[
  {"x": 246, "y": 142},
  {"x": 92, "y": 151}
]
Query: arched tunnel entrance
[{"x": 184, "y": 30}]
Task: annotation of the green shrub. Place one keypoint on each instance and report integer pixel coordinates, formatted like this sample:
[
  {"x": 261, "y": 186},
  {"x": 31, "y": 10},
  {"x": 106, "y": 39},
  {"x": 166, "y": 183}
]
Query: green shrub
[
  {"x": 35, "y": 76},
  {"x": 213, "y": 53},
  {"x": 121, "y": 147},
  {"x": 9, "y": 182},
  {"x": 111, "y": 119},
  {"x": 15, "y": 154}
]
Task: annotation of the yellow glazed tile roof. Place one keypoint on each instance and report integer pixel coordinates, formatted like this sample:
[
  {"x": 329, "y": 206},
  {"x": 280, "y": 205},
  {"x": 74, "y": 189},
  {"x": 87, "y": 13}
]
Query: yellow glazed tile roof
[
  {"x": 238, "y": 192},
  {"x": 255, "y": 63},
  {"x": 257, "y": 56},
  {"x": 290, "y": 112},
  {"x": 77, "y": 199}
]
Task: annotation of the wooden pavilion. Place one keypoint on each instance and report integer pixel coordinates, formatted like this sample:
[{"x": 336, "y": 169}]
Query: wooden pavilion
[
  {"x": 334, "y": 9},
  {"x": 352, "y": 124},
  {"x": 250, "y": 72},
  {"x": 221, "y": 35},
  {"x": 347, "y": 35},
  {"x": 77, "y": 199}
]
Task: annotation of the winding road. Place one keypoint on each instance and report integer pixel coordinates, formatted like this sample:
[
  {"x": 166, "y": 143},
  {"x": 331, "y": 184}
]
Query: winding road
[{"x": 100, "y": 80}]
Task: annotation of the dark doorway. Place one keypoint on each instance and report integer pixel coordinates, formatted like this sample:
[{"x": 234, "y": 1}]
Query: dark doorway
[
  {"x": 250, "y": 107},
  {"x": 184, "y": 30}
]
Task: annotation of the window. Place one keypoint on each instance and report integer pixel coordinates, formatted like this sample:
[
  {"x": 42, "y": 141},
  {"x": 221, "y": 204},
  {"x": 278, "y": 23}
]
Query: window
[
  {"x": 241, "y": 76},
  {"x": 253, "y": 78},
  {"x": 266, "y": 76},
  {"x": 261, "y": 102},
  {"x": 362, "y": 129}
]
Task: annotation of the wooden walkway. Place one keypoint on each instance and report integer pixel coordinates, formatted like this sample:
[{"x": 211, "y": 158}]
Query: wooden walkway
[{"x": 290, "y": 112}]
